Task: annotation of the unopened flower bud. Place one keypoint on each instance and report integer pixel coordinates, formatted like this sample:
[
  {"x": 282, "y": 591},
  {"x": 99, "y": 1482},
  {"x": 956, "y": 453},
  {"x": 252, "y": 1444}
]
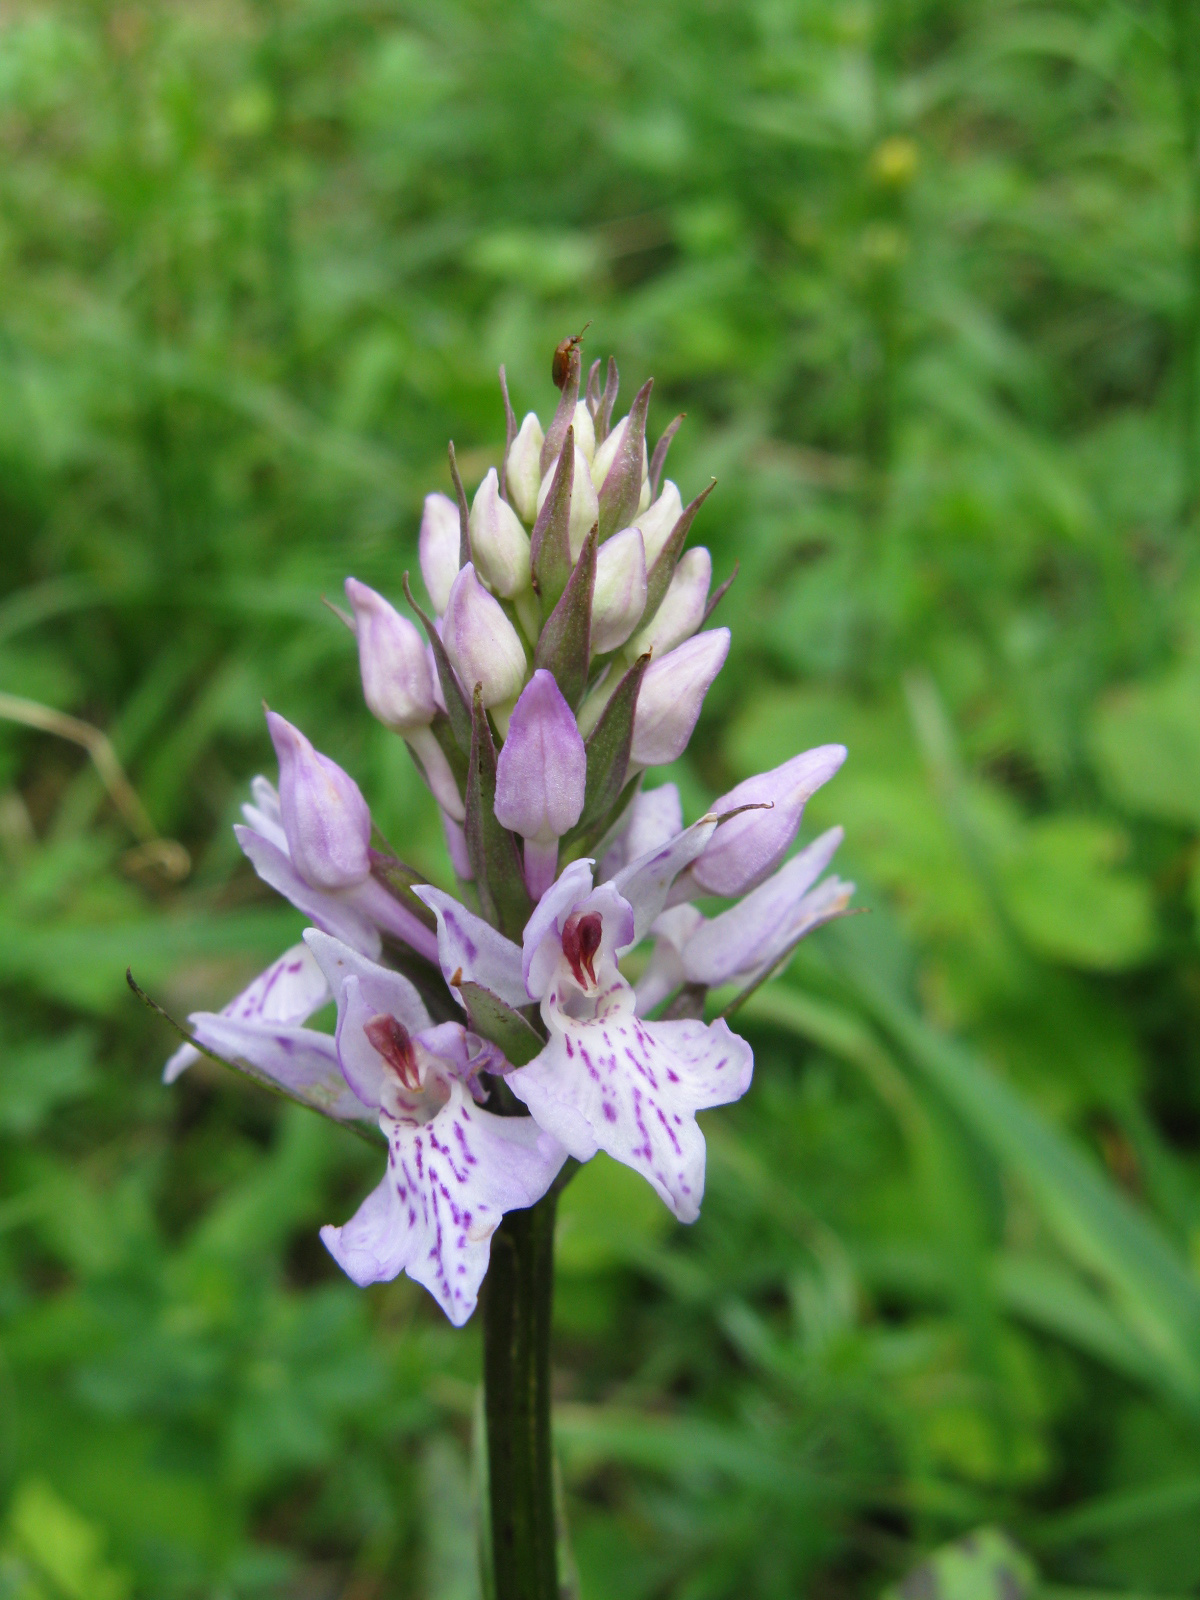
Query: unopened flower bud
[
  {"x": 620, "y": 593},
  {"x": 541, "y": 770},
  {"x": 524, "y": 469},
  {"x": 671, "y": 696},
  {"x": 397, "y": 684},
  {"x": 606, "y": 454},
  {"x": 438, "y": 548},
  {"x": 746, "y": 850},
  {"x": 481, "y": 642},
  {"x": 585, "y": 506},
  {"x": 540, "y": 777},
  {"x": 499, "y": 544},
  {"x": 585, "y": 430},
  {"x": 657, "y": 520},
  {"x": 324, "y": 815},
  {"x": 682, "y": 608}
]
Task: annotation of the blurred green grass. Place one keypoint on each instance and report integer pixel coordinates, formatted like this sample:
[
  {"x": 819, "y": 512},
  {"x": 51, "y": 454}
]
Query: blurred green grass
[{"x": 923, "y": 275}]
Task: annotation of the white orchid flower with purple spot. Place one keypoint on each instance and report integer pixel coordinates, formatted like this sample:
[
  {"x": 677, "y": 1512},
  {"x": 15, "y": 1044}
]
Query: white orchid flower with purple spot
[{"x": 453, "y": 1169}]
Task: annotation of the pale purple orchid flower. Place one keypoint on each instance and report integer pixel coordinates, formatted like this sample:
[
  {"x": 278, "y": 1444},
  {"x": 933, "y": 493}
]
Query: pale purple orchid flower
[
  {"x": 606, "y": 1080},
  {"x": 540, "y": 777},
  {"x": 324, "y": 821},
  {"x": 453, "y": 1169}
]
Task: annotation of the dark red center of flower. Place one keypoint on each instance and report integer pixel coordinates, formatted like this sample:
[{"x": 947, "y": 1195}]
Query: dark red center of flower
[
  {"x": 391, "y": 1039},
  {"x": 580, "y": 941}
]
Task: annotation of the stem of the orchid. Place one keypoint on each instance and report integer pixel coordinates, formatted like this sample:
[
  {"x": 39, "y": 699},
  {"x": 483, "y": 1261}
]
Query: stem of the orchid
[
  {"x": 541, "y": 866},
  {"x": 518, "y": 1303}
]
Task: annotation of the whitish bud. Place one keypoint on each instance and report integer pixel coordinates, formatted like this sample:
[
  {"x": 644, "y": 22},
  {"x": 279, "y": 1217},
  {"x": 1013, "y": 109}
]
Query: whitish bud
[
  {"x": 620, "y": 594},
  {"x": 682, "y": 608},
  {"x": 499, "y": 544},
  {"x": 585, "y": 506},
  {"x": 585, "y": 431},
  {"x": 397, "y": 684},
  {"x": 671, "y": 696},
  {"x": 481, "y": 642},
  {"x": 524, "y": 468},
  {"x": 657, "y": 520},
  {"x": 441, "y": 533},
  {"x": 606, "y": 454}
]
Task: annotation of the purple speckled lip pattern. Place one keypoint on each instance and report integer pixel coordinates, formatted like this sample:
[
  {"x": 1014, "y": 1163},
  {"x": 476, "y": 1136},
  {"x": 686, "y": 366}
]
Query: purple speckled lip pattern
[{"x": 566, "y": 654}]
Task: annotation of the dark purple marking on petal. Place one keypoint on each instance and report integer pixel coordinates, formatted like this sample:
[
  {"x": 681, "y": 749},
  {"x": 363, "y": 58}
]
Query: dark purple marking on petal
[{"x": 610, "y": 1111}]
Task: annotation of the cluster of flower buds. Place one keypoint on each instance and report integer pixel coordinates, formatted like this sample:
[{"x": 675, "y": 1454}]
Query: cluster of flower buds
[{"x": 566, "y": 652}]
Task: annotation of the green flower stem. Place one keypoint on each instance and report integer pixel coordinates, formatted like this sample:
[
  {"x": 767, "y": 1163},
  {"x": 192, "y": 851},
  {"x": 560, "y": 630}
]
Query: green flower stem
[{"x": 517, "y": 1310}]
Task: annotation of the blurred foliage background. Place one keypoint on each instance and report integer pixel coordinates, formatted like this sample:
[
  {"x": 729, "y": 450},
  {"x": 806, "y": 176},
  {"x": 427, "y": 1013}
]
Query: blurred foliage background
[{"x": 925, "y": 276}]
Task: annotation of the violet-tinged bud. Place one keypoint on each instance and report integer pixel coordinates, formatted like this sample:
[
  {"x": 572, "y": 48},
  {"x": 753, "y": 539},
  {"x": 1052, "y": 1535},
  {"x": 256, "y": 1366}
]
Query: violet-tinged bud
[
  {"x": 585, "y": 430},
  {"x": 397, "y": 685},
  {"x": 438, "y": 548},
  {"x": 657, "y": 520},
  {"x": 619, "y": 597},
  {"x": 541, "y": 770},
  {"x": 606, "y": 454},
  {"x": 524, "y": 469},
  {"x": 585, "y": 504},
  {"x": 324, "y": 815},
  {"x": 745, "y": 851},
  {"x": 499, "y": 544},
  {"x": 671, "y": 696},
  {"x": 682, "y": 608},
  {"x": 481, "y": 642}
]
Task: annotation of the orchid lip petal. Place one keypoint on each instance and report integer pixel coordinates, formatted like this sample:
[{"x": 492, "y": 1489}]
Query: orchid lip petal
[{"x": 447, "y": 1185}]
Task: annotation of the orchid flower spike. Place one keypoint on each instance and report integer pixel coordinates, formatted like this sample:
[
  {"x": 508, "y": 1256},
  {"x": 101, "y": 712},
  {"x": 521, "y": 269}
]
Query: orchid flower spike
[{"x": 564, "y": 661}]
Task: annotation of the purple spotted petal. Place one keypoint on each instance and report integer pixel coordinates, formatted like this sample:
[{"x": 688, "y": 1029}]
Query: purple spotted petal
[
  {"x": 300, "y": 1059},
  {"x": 632, "y": 1088},
  {"x": 448, "y": 1183},
  {"x": 471, "y": 949},
  {"x": 289, "y": 991}
]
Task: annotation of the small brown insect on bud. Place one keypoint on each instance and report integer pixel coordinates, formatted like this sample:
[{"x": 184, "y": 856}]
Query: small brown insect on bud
[{"x": 560, "y": 367}]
